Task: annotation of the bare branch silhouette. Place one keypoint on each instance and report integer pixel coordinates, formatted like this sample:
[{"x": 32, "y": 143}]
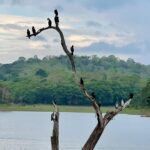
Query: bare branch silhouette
[
  {"x": 98, "y": 130},
  {"x": 101, "y": 121}
]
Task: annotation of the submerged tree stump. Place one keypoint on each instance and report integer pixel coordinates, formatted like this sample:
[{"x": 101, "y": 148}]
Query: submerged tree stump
[{"x": 55, "y": 132}]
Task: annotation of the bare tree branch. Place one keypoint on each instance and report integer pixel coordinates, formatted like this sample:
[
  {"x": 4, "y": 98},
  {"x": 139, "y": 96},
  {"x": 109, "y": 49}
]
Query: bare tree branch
[
  {"x": 71, "y": 58},
  {"x": 109, "y": 115},
  {"x": 63, "y": 43},
  {"x": 94, "y": 103},
  {"x": 97, "y": 132},
  {"x": 102, "y": 121}
]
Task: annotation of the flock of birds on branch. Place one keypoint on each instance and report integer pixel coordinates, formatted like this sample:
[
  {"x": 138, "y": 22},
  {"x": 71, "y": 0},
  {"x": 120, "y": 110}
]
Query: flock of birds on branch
[
  {"x": 56, "y": 19},
  {"x": 117, "y": 105}
]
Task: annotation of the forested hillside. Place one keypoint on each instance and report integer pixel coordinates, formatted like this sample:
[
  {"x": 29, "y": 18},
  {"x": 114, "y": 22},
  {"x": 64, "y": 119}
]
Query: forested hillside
[{"x": 40, "y": 81}]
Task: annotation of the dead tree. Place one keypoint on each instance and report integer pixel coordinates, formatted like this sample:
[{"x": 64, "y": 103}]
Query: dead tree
[{"x": 102, "y": 121}]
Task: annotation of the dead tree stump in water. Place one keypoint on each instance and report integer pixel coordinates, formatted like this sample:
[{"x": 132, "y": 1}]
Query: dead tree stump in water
[{"x": 55, "y": 132}]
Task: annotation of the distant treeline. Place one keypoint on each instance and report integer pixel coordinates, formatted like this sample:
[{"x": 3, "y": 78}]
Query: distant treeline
[{"x": 34, "y": 80}]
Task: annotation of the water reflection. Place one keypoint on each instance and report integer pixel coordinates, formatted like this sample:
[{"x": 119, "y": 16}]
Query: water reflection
[{"x": 32, "y": 130}]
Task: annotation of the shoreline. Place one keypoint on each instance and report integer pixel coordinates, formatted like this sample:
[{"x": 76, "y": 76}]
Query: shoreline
[{"x": 144, "y": 112}]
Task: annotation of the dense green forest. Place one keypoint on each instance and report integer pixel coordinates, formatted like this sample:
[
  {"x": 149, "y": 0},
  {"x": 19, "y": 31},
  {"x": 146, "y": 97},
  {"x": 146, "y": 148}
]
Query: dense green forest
[{"x": 34, "y": 80}]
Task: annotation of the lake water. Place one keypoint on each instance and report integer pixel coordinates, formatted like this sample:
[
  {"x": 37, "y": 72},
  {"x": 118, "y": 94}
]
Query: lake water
[{"x": 32, "y": 131}]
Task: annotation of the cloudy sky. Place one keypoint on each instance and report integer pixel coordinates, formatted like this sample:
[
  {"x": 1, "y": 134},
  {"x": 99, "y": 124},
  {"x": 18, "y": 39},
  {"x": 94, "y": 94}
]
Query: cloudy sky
[{"x": 94, "y": 27}]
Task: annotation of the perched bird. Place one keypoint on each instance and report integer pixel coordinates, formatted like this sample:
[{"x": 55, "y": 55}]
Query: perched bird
[
  {"x": 56, "y": 12},
  {"x": 28, "y": 33},
  {"x": 131, "y": 95},
  {"x": 33, "y": 30},
  {"x": 81, "y": 82},
  {"x": 122, "y": 102},
  {"x": 72, "y": 49},
  {"x": 49, "y": 22},
  {"x": 56, "y": 20},
  {"x": 93, "y": 95},
  {"x": 99, "y": 103},
  {"x": 116, "y": 105}
]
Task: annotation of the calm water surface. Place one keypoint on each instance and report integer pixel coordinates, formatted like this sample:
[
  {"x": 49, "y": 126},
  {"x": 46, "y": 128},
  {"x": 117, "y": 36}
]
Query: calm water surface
[{"x": 32, "y": 131}]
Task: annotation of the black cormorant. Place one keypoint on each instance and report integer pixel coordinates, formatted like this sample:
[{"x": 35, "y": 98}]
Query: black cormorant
[
  {"x": 81, "y": 82},
  {"x": 56, "y": 20},
  {"x": 49, "y": 22},
  {"x": 131, "y": 95},
  {"x": 93, "y": 95},
  {"x": 34, "y": 31},
  {"x": 28, "y": 33},
  {"x": 99, "y": 104},
  {"x": 56, "y": 12},
  {"x": 54, "y": 102},
  {"x": 72, "y": 49}
]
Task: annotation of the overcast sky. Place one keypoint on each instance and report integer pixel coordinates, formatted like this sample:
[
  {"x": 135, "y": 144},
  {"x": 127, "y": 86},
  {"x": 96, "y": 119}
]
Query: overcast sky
[{"x": 94, "y": 27}]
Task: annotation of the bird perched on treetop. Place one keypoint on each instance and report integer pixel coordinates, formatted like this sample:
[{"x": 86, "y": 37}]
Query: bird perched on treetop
[
  {"x": 56, "y": 17},
  {"x": 56, "y": 12},
  {"x": 33, "y": 30},
  {"x": 28, "y": 33},
  {"x": 99, "y": 103},
  {"x": 54, "y": 102},
  {"x": 81, "y": 81},
  {"x": 49, "y": 22},
  {"x": 93, "y": 95},
  {"x": 72, "y": 49},
  {"x": 56, "y": 20}
]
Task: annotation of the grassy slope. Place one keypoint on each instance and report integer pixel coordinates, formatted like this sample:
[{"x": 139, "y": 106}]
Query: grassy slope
[{"x": 4, "y": 107}]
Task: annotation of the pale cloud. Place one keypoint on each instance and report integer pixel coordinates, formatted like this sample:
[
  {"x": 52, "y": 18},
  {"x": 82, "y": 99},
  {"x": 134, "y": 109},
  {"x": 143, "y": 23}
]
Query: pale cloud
[
  {"x": 118, "y": 23},
  {"x": 118, "y": 40},
  {"x": 36, "y": 45},
  {"x": 82, "y": 40},
  {"x": 93, "y": 24}
]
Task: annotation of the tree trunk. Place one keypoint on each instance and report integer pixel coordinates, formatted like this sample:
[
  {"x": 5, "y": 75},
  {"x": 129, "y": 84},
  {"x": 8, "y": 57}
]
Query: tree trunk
[
  {"x": 102, "y": 121},
  {"x": 94, "y": 137}
]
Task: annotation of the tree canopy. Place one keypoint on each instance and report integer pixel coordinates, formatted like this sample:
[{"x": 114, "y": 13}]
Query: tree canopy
[{"x": 37, "y": 80}]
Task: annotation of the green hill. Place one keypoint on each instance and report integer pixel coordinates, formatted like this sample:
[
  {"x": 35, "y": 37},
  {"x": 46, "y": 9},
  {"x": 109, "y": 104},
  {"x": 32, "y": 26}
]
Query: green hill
[{"x": 40, "y": 81}]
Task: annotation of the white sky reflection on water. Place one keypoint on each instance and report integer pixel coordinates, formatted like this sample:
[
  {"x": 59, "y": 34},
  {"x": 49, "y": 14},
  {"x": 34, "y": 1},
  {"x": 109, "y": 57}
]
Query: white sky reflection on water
[{"x": 32, "y": 131}]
